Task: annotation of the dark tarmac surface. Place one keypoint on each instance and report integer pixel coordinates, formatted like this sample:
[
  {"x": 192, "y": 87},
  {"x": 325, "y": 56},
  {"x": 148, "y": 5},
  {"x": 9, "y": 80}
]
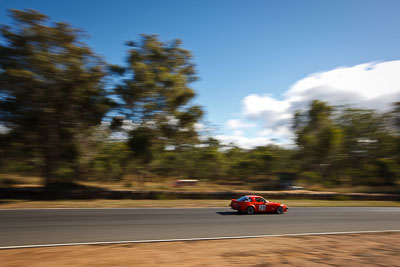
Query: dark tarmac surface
[{"x": 57, "y": 226}]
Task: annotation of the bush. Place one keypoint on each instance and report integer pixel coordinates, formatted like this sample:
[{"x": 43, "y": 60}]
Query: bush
[
  {"x": 310, "y": 177},
  {"x": 7, "y": 182},
  {"x": 387, "y": 171},
  {"x": 64, "y": 174}
]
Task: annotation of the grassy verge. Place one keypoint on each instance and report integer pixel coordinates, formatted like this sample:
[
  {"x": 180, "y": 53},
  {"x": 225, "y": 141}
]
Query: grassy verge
[
  {"x": 183, "y": 203},
  {"x": 130, "y": 182}
]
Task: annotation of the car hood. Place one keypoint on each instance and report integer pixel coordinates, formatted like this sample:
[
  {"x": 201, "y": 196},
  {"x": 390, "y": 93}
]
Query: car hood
[{"x": 275, "y": 203}]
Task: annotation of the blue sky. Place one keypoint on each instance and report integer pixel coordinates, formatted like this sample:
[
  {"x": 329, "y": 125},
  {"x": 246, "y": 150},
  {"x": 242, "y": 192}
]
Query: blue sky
[{"x": 250, "y": 53}]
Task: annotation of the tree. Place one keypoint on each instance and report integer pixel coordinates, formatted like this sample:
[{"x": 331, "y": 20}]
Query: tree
[
  {"x": 196, "y": 162},
  {"x": 346, "y": 145},
  {"x": 51, "y": 88},
  {"x": 396, "y": 115},
  {"x": 318, "y": 138},
  {"x": 156, "y": 96},
  {"x": 110, "y": 161},
  {"x": 369, "y": 146},
  {"x": 396, "y": 119}
]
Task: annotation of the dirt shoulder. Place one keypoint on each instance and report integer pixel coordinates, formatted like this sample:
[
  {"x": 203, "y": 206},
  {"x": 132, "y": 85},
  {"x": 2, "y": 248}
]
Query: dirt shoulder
[{"x": 333, "y": 250}]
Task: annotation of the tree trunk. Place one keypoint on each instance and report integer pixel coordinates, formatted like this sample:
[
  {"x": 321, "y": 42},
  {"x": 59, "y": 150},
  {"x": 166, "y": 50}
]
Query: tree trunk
[{"x": 51, "y": 152}]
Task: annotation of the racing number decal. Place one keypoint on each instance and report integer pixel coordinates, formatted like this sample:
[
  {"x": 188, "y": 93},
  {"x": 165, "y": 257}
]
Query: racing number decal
[{"x": 262, "y": 207}]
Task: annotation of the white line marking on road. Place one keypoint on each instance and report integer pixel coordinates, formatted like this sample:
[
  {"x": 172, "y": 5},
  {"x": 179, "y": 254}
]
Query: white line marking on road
[{"x": 196, "y": 239}]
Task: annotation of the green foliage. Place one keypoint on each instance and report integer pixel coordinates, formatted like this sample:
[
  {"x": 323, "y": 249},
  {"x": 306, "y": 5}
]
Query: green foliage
[
  {"x": 387, "y": 170},
  {"x": 347, "y": 145},
  {"x": 64, "y": 174},
  {"x": 310, "y": 177},
  {"x": 197, "y": 162},
  {"x": 317, "y": 136},
  {"x": 7, "y": 182},
  {"x": 53, "y": 101},
  {"x": 396, "y": 115},
  {"x": 111, "y": 162},
  {"x": 156, "y": 95},
  {"x": 140, "y": 141},
  {"x": 51, "y": 87}
]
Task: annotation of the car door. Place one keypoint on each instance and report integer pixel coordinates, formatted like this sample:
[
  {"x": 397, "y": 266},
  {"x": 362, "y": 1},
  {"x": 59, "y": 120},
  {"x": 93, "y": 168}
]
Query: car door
[
  {"x": 260, "y": 205},
  {"x": 268, "y": 206},
  {"x": 264, "y": 206}
]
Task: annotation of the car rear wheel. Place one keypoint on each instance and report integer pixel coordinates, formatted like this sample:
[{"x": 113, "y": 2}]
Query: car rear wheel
[
  {"x": 250, "y": 210},
  {"x": 279, "y": 210}
]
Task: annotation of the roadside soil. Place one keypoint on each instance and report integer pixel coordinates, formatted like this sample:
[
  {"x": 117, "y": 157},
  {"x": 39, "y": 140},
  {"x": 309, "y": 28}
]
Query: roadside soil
[{"x": 381, "y": 249}]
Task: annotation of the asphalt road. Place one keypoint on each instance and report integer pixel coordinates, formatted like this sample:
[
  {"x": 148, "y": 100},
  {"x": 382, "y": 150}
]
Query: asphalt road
[{"x": 54, "y": 226}]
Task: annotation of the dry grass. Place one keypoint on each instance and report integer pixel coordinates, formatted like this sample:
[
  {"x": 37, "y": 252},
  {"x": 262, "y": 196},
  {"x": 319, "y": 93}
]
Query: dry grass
[
  {"x": 339, "y": 250},
  {"x": 358, "y": 189},
  {"x": 129, "y": 182},
  {"x": 165, "y": 184},
  {"x": 20, "y": 181},
  {"x": 104, "y": 203},
  {"x": 158, "y": 184}
]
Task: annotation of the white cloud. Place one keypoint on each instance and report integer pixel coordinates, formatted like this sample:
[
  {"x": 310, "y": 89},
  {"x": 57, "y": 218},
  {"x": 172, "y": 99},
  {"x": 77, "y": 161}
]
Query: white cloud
[
  {"x": 128, "y": 125},
  {"x": 199, "y": 126},
  {"x": 374, "y": 85},
  {"x": 255, "y": 106},
  {"x": 274, "y": 113},
  {"x": 243, "y": 141},
  {"x": 282, "y": 132},
  {"x": 203, "y": 130},
  {"x": 238, "y": 124},
  {"x": 172, "y": 120},
  {"x": 3, "y": 129}
]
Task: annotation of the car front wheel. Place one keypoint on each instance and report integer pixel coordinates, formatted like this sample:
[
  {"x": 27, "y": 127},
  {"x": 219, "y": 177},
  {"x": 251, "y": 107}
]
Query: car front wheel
[
  {"x": 279, "y": 210},
  {"x": 250, "y": 210}
]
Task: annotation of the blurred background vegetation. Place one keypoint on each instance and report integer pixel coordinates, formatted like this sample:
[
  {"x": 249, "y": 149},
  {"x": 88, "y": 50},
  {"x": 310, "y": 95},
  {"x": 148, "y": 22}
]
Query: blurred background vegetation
[{"x": 68, "y": 117}]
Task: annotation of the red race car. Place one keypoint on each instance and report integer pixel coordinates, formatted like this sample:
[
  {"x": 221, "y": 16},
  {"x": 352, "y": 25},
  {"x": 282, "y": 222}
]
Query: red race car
[{"x": 252, "y": 204}]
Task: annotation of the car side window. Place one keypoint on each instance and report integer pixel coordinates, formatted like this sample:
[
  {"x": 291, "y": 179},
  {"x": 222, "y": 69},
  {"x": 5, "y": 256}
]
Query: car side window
[
  {"x": 258, "y": 199},
  {"x": 248, "y": 200}
]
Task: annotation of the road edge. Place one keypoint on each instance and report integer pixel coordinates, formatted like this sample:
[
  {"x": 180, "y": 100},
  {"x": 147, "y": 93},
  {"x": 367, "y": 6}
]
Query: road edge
[{"x": 194, "y": 239}]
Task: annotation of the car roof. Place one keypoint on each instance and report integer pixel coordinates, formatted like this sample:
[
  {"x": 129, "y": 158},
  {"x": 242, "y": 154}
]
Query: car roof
[{"x": 253, "y": 196}]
